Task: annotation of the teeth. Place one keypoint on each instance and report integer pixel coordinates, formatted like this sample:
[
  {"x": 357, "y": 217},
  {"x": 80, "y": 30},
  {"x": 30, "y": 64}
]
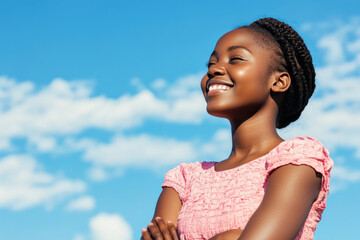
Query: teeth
[{"x": 218, "y": 86}]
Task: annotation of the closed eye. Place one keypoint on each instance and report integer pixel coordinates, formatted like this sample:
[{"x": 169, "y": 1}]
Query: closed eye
[
  {"x": 209, "y": 64},
  {"x": 237, "y": 58}
]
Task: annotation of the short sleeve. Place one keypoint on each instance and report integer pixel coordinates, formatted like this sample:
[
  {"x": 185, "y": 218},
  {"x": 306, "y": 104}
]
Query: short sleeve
[
  {"x": 177, "y": 178},
  {"x": 303, "y": 151}
]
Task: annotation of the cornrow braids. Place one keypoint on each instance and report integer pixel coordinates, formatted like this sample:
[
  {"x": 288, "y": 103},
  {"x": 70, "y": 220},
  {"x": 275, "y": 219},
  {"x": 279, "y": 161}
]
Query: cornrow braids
[{"x": 298, "y": 63}]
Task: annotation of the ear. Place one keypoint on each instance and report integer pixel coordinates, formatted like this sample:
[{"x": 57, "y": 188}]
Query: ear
[{"x": 280, "y": 82}]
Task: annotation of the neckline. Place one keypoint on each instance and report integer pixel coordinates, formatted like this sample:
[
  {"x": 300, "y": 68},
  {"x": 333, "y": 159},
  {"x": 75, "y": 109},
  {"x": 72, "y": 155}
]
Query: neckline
[{"x": 254, "y": 160}]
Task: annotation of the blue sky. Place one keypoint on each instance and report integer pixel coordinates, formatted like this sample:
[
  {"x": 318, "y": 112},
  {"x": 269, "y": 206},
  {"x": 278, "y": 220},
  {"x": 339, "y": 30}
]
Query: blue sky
[{"x": 99, "y": 99}]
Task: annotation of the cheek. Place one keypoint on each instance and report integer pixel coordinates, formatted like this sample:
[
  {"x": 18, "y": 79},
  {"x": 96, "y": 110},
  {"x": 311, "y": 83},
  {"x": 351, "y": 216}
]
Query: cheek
[
  {"x": 242, "y": 74},
  {"x": 203, "y": 84},
  {"x": 251, "y": 77}
]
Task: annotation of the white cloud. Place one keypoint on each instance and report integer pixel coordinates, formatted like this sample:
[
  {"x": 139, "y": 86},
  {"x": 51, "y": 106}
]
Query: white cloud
[
  {"x": 345, "y": 174},
  {"x": 187, "y": 101},
  {"x": 84, "y": 203},
  {"x": 186, "y": 85},
  {"x": 189, "y": 109},
  {"x": 79, "y": 237},
  {"x": 106, "y": 226},
  {"x": 219, "y": 147},
  {"x": 67, "y": 107},
  {"x": 4, "y": 144},
  {"x": 12, "y": 93},
  {"x": 136, "y": 82},
  {"x": 97, "y": 174},
  {"x": 24, "y": 184},
  {"x": 159, "y": 84},
  {"x": 337, "y": 187},
  {"x": 354, "y": 46},
  {"x": 146, "y": 151},
  {"x": 333, "y": 46},
  {"x": 42, "y": 143},
  {"x": 64, "y": 108},
  {"x": 141, "y": 150}
]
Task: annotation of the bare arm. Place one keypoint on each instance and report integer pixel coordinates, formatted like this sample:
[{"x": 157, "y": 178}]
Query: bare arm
[
  {"x": 167, "y": 209},
  {"x": 290, "y": 193},
  {"x": 168, "y": 205}
]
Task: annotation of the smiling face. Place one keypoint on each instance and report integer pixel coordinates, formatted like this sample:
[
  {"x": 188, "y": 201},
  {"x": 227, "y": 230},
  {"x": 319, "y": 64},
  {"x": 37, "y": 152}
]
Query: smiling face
[{"x": 238, "y": 81}]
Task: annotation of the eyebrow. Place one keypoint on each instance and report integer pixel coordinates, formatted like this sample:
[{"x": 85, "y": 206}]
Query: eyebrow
[
  {"x": 236, "y": 47},
  {"x": 214, "y": 53}
]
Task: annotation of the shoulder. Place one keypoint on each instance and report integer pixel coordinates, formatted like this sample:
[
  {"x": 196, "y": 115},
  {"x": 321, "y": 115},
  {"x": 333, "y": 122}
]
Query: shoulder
[
  {"x": 302, "y": 145},
  {"x": 186, "y": 171},
  {"x": 301, "y": 150},
  {"x": 180, "y": 176}
]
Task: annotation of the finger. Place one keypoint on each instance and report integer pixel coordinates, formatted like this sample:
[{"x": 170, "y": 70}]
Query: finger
[
  {"x": 155, "y": 231},
  {"x": 163, "y": 228},
  {"x": 145, "y": 235},
  {"x": 172, "y": 230}
]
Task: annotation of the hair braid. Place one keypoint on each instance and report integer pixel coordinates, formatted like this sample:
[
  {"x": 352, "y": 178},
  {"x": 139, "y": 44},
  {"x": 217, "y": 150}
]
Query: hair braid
[{"x": 298, "y": 62}]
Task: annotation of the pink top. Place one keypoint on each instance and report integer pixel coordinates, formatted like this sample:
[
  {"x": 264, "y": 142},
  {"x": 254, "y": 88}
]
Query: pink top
[{"x": 214, "y": 202}]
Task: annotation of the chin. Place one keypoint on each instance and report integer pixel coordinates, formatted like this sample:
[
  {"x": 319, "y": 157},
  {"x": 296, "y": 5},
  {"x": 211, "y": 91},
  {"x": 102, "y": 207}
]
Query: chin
[
  {"x": 232, "y": 112},
  {"x": 217, "y": 112}
]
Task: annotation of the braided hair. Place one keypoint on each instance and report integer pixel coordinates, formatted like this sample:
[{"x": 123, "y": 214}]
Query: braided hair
[{"x": 291, "y": 55}]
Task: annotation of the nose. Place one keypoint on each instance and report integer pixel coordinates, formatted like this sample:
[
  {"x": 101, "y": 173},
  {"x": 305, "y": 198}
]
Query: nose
[{"x": 215, "y": 70}]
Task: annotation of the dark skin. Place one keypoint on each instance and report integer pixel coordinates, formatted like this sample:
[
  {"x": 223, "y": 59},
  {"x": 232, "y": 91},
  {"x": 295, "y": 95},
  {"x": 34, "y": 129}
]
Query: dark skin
[{"x": 239, "y": 87}]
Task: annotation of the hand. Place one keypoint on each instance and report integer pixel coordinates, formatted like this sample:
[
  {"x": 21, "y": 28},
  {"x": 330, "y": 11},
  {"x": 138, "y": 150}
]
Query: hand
[{"x": 158, "y": 229}]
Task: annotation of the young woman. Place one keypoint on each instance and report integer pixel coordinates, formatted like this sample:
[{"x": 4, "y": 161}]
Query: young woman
[{"x": 260, "y": 77}]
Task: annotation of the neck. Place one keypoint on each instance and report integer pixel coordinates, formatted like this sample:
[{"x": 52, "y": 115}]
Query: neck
[{"x": 255, "y": 136}]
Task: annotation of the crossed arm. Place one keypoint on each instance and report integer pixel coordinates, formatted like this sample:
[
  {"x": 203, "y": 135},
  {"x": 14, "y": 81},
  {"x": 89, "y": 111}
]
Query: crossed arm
[{"x": 290, "y": 193}]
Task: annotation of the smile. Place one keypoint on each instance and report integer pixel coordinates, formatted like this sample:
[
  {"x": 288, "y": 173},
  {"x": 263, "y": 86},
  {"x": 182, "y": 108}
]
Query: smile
[{"x": 217, "y": 88}]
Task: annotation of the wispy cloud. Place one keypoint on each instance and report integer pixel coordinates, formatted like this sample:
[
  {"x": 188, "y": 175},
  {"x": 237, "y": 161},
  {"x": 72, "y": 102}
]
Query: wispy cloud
[
  {"x": 148, "y": 151},
  {"x": 106, "y": 226},
  {"x": 24, "y": 184},
  {"x": 46, "y": 116},
  {"x": 84, "y": 203},
  {"x": 346, "y": 174},
  {"x": 65, "y": 107},
  {"x": 79, "y": 236},
  {"x": 138, "y": 150}
]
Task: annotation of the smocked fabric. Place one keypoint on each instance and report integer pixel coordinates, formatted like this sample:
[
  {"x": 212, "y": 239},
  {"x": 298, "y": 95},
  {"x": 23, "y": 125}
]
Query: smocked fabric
[{"x": 214, "y": 202}]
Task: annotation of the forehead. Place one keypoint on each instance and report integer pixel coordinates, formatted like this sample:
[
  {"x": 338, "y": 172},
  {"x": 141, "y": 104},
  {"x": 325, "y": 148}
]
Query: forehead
[{"x": 242, "y": 37}]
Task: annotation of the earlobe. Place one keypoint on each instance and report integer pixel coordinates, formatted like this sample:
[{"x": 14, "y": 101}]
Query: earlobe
[{"x": 281, "y": 82}]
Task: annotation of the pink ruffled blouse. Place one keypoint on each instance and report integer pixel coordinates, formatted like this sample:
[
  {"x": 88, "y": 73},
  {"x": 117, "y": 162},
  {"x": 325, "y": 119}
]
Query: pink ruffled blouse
[{"x": 214, "y": 202}]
